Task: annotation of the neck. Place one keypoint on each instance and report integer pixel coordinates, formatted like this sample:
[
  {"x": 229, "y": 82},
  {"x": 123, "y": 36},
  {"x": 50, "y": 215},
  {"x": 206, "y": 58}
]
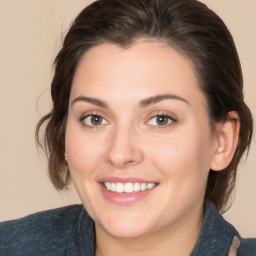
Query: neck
[{"x": 178, "y": 239}]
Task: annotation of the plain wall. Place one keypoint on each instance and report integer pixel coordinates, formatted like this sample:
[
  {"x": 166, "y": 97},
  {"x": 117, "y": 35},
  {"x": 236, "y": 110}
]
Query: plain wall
[{"x": 30, "y": 36}]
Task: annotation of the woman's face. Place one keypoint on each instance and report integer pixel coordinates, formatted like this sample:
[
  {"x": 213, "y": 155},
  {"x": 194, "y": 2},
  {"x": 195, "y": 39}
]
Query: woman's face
[{"x": 138, "y": 139}]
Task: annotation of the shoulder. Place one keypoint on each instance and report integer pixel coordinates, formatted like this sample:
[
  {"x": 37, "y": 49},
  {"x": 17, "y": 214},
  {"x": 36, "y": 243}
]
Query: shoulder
[
  {"x": 247, "y": 247},
  {"x": 242, "y": 246},
  {"x": 47, "y": 230},
  {"x": 219, "y": 237}
]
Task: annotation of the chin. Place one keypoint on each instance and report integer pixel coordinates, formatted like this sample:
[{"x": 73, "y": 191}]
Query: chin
[
  {"x": 130, "y": 232},
  {"x": 126, "y": 227}
]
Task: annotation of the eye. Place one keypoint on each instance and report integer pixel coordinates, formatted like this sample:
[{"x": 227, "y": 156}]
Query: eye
[
  {"x": 94, "y": 120},
  {"x": 160, "y": 120}
]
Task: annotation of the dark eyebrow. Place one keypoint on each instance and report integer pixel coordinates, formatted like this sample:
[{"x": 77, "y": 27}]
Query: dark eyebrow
[
  {"x": 143, "y": 103},
  {"x": 155, "y": 99},
  {"x": 93, "y": 101}
]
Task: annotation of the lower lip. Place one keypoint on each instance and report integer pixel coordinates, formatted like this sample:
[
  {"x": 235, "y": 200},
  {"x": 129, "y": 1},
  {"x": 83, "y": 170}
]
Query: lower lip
[{"x": 124, "y": 198}]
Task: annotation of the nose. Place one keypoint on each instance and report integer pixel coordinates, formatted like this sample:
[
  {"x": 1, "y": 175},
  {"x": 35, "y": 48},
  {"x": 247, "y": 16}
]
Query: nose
[{"x": 124, "y": 149}]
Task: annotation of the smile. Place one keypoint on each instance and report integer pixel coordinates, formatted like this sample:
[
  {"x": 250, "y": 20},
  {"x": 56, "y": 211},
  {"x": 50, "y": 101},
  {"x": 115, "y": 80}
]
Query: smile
[{"x": 128, "y": 187}]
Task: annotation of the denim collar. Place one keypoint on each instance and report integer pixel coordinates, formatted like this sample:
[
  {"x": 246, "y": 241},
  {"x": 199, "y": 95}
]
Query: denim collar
[
  {"x": 82, "y": 240},
  {"x": 214, "y": 240},
  {"x": 216, "y": 234}
]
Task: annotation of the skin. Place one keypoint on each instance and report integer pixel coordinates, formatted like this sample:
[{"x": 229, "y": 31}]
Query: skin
[{"x": 129, "y": 142}]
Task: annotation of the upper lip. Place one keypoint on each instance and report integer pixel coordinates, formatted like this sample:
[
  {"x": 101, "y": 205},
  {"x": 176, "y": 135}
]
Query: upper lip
[{"x": 125, "y": 180}]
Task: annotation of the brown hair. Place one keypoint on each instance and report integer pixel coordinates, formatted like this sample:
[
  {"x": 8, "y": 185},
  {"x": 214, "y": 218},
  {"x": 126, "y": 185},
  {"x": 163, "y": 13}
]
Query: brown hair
[{"x": 186, "y": 25}]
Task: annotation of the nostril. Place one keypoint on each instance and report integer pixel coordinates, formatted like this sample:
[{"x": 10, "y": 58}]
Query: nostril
[
  {"x": 121, "y": 162},
  {"x": 123, "y": 149}
]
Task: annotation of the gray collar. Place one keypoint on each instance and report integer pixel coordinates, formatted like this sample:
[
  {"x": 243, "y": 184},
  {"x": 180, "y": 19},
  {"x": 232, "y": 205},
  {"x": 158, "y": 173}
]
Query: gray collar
[{"x": 217, "y": 237}]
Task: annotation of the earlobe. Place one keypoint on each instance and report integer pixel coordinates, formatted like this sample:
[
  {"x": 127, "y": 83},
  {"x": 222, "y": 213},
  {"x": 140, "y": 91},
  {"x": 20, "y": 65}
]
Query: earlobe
[
  {"x": 227, "y": 137},
  {"x": 220, "y": 149}
]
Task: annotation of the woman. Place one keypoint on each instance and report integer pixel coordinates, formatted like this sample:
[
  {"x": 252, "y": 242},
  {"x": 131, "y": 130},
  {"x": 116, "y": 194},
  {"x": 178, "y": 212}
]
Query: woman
[{"x": 149, "y": 123}]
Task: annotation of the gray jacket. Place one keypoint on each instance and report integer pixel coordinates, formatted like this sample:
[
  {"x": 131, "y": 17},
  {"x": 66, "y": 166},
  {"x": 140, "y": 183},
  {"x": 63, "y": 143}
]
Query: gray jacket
[{"x": 70, "y": 231}]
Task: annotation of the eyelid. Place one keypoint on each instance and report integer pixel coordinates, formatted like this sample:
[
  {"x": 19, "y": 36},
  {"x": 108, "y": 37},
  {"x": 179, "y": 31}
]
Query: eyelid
[
  {"x": 164, "y": 114},
  {"x": 93, "y": 113}
]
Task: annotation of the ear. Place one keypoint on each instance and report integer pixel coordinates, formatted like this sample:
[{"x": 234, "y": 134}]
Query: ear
[{"x": 227, "y": 140}]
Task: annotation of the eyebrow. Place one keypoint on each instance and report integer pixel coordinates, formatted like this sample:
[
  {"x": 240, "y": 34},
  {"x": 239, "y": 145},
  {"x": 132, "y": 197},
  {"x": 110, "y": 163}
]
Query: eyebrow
[
  {"x": 155, "y": 99},
  {"x": 143, "y": 103},
  {"x": 93, "y": 101}
]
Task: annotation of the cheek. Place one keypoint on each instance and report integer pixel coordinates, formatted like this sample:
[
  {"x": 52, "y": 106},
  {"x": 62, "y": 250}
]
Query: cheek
[
  {"x": 83, "y": 152},
  {"x": 182, "y": 156}
]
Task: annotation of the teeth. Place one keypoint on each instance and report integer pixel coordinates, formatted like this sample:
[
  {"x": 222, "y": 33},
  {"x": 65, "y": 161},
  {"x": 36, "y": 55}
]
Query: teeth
[
  {"x": 143, "y": 186},
  {"x": 136, "y": 187},
  {"x": 128, "y": 187},
  {"x": 113, "y": 186},
  {"x": 119, "y": 188},
  {"x": 150, "y": 185},
  {"x": 108, "y": 185}
]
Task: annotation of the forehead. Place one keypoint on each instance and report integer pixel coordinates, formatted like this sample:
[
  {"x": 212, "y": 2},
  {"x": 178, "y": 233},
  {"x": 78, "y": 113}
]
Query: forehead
[{"x": 143, "y": 69}]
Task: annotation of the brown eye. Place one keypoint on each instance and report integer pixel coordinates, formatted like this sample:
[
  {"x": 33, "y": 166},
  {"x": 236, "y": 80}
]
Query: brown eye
[
  {"x": 94, "y": 120},
  {"x": 160, "y": 120}
]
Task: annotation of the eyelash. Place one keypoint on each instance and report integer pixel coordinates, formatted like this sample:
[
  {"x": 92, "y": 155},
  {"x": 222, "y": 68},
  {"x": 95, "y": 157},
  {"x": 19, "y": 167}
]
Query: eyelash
[
  {"x": 165, "y": 116},
  {"x": 83, "y": 120}
]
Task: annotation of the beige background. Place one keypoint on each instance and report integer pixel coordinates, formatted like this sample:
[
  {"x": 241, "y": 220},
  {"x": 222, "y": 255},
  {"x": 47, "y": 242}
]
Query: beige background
[{"x": 30, "y": 36}]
